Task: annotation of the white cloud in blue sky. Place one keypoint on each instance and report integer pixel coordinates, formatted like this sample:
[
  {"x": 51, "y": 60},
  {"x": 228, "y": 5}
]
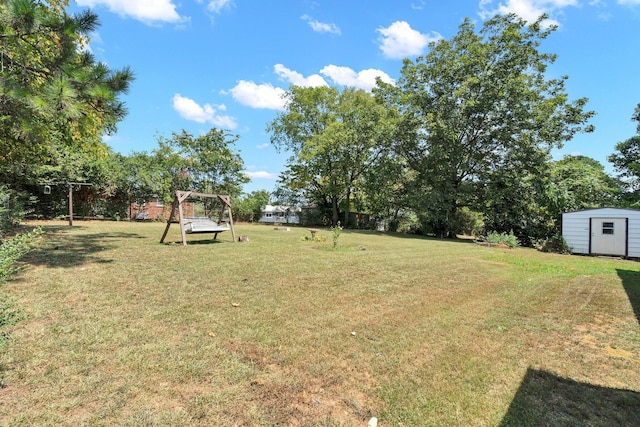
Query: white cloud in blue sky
[
  {"x": 217, "y": 6},
  {"x": 233, "y": 73},
  {"x": 297, "y": 79},
  {"x": 399, "y": 40},
  {"x": 261, "y": 96},
  {"x": 143, "y": 10},
  {"x": 261, "y": 175},
  {"x": 191, "y": 110},
  {"x": 529, "y": 10},
  {"x": 345, "y": 76},
  {"x": 321, "y": 27}
]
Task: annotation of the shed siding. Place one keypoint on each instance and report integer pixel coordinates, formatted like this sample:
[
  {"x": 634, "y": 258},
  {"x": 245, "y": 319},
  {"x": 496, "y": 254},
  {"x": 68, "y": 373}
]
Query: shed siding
[{"x": 575, "y": 228}]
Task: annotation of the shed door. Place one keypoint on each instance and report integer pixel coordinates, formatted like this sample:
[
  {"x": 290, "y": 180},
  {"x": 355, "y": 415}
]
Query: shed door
[{"x": 609, "y": 236}]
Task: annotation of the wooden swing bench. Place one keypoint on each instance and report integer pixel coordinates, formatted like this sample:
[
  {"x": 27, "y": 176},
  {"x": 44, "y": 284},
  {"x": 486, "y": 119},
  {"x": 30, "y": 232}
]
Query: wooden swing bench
[
  {"x": 191, "y": 225},
  {"x": 203, "y": 225}
]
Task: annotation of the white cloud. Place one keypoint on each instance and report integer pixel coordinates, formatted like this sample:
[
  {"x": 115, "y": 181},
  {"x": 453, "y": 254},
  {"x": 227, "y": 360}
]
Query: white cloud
[
  {"x": 147, "y": 11},
  {"x": 295, "y": 78},
  {"x": 365, "y": 79},
  {"x": 399, "y": 40},
  {"x": 216, "y": 6},
  {"x": 529, "y": 10},
  {"x": 263, "y": 146},
  {"x": 270, "y": 97},
  {"x": 629, "y": 2},
  {"x": 321, "y": 27},
  {"x": 259, "y": 95},
  {"x": 191, "y": 110},
  {"x": 260, "y": 175}
]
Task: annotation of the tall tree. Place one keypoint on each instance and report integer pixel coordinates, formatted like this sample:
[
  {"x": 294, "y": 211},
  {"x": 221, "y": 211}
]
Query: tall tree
[
  {"x": 335, "y": 138},
  {"x": 52, "y": 88},
  {"x": 626, "y": 160},
  {"x": 580, "y": 182},
  {"x": 473, "y": 104}
]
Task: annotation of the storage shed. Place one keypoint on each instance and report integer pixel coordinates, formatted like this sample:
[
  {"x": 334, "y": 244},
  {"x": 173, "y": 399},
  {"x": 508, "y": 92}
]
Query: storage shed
[{"x": 603, "y": 231}]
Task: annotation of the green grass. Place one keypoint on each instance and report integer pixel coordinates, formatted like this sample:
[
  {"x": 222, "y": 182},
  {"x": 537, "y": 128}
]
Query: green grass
[{"x": 122, "y": 330}]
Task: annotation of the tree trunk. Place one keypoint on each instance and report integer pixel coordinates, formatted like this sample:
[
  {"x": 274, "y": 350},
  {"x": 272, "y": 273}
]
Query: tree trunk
[
  {"x": 347, "y": 209},
  {"x": 334, "y": 211}
]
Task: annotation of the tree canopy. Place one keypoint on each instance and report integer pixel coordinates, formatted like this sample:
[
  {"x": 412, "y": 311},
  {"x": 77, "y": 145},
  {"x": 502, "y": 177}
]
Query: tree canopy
[
  {"x": 52, "y": 88},
  {"x": 475, "y": 106},
  {"x": 335, "y": 136},
  {"x": 207, "y": 163},
  {"x": 626, "y": 160}
]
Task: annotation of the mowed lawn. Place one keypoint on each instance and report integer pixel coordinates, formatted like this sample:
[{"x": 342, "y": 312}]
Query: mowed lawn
[{"x": 119, "y": 329}]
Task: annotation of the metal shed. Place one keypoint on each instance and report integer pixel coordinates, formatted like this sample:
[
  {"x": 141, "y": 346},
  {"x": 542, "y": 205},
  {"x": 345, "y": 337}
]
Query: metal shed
[{"x": 603, "y": 231}]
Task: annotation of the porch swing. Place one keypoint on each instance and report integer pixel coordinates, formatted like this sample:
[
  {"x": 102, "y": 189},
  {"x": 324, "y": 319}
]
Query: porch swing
[{"x": 200, "y": 224}]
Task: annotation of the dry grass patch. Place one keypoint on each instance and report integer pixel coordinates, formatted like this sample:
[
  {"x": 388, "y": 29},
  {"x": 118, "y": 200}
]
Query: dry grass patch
[{"x": 123, "y": 330}]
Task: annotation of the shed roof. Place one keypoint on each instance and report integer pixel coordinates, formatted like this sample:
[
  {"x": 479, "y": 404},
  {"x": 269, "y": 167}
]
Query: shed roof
[{"x": 603, "y": 208}]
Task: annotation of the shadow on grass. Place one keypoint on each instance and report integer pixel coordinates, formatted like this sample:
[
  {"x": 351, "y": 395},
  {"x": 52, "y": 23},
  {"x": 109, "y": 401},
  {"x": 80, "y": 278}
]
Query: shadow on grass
[
  {"x": 631, "y": 284},
  {"x": 405, "y": 235},
  {"x": 61, "y": 249},
  {"x": 197, "y": 242},
  {"x": 545, "y": 399}
]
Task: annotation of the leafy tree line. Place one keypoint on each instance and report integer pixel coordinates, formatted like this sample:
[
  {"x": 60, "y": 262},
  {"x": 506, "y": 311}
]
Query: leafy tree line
[
  {"x": 56, "y": 104},
  {"x": 462, "y": 142}
]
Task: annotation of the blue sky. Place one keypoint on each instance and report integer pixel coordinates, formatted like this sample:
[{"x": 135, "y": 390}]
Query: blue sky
[{"x": 225, "y": 63}]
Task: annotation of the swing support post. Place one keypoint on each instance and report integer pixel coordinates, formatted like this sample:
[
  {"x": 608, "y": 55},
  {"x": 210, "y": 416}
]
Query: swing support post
[{"x": 181, "y": 196}]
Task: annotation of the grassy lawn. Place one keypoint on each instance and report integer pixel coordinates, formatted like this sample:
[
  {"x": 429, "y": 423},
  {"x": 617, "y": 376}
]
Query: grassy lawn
[{"x": 122, "y": 330}]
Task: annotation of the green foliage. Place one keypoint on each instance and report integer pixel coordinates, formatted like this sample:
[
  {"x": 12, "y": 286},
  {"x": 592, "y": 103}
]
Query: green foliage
[
  {"x": 248, "y": 207},
  {"x": 475, "y": 106},
  {"x": 469, "y": 222},
  {"x": 318, "y": 238},
  {"x": 626, "y": 163},
  {"x": 335, "y": 234},
  {"x": 11, "y": 250},
  {"x": 207, "y": 163},
  {"x": 11, "y": 211},
  {"x": 52, "y": 88},
  {"x": 556, "y": 244},
  {"x": 495, "y": 238},
  {"x": 336, "y": 138},
  {"x": 56, "y": 103},
  {"x": 579, "y": 182}
]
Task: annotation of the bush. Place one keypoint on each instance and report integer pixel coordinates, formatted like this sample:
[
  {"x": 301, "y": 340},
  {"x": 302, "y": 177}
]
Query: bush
[
  {"x": 495, "y": 238},
  {"x": 318, "y": 238},
  {"x": 555, "y": 244},
  {"x": 11, "y": 250}
]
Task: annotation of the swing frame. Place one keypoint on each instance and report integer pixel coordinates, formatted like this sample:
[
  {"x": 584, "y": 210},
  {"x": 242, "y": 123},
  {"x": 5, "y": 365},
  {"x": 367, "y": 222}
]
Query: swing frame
[{"x": 181, "y": 196}]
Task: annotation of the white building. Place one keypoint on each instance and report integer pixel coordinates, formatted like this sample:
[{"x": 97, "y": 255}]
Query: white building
[
  {"x": 603, "y": 231},
  {"x": 280, "y": 214}
]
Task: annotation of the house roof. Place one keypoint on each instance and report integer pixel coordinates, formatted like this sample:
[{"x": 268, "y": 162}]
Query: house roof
[{"x": 280, "y": 209}]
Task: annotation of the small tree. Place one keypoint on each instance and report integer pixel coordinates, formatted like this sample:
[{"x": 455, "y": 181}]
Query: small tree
[{"x": 206, "y": 163}]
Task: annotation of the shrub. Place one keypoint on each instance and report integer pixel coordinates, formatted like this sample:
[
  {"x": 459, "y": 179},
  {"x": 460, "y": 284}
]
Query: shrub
[
  {"x": 10, "y": 252},
  {"x": 495, "y": 238},
  {"x": 336, "y": 234},
  {"x": 319, "y": 238},
  {"x": 555, "y": 244}
]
